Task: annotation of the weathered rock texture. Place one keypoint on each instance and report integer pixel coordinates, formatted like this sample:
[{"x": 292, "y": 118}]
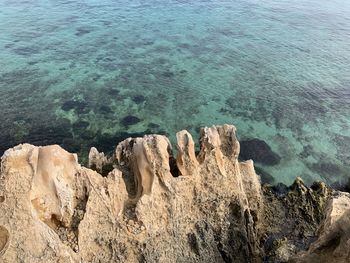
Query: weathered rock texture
[{"x": 213, "y": 209}]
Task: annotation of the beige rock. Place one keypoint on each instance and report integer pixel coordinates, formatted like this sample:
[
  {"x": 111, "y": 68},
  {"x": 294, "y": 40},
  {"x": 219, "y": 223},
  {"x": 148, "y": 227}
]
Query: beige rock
[
  {"x": 186, "y": 159},
  {"x": 333, "y": 242},
  {"x": 97, "y": 159},
  {"x": 54, "y": 210},
  {"x": 147, "y": 163}
]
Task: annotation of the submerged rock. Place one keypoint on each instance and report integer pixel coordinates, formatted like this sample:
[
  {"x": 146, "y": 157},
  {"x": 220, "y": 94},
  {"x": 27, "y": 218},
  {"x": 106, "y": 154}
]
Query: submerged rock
[
  {"x": 152, "y": 125},
  {"x": 113, "y": 92},
  {"x": 215, "y": 210},
  {"x": 78, "y": 106},
  {"x": 138, "y": 99},
  {"x": 105, "y": 109},
  {"x": 259, "y": 151},
  {"x": 130, "y": 120},
  {"x": 80, "y": 125}
]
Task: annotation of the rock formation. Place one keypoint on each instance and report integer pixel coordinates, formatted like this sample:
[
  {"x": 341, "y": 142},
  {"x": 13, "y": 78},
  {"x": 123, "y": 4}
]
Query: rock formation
[{"x": 213, "y": 209}]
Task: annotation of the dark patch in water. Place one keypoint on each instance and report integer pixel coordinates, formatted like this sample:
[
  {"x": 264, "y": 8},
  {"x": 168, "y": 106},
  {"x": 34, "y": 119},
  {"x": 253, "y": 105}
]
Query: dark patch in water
[
  {"x": 106, "y": 23},
  {"x": 163, "y": 132},
  {"x": 26, "y": 51},
  {"x": 107, "y": 143},
  {"x": 68, "y": 2},
  {"x": 183, "y": 71},
  {"x": 8, "y": 45},
  {"x": 184, "y": 46},
  {"x": 259, "y": 151},
  {"x": 43, "y": 135},
  {"x": 108, "y": 59},
  {"x": 80, "y": 125},
  {"x": 147, "y": 42},
  {"x": 71, "y": 145},
  {"x": 6, "y": 141},
  {"x": 82, "y": 31},
  {"x": 138, "y": 99},
  {"x": 130, "y": 120},
  {"x": 161, "y": 61},
  {"x": 31, "y": 63},
  {"x": 87, "y": 135},
  {"x": 307, "y": 151},
  {"x": 266, "y": 178},
  {"x": 68, "y": 105},
  {"x": 326, "y": 169},
  {"x": 342, "y": 142},
  {"x": 78, "y": 106},
  {"x": 105, "y": 109},
  {"x": 168, "y": 74},
  {"x": 152, "y": 125},
  {"x": 97, "y": 77},
  {"x": 113, "y": 92}
]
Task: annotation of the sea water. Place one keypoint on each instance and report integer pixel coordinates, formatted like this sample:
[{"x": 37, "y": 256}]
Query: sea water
[{"x": 85, "y": 73}]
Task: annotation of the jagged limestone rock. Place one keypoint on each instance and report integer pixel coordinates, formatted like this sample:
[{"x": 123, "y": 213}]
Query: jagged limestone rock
[
  {"x": 334, "y": 234},
  {"x": 99, "y": 162},
  {"x": 186, "y": 159},
  {"x": 96, "y": 159},
  {"x": 54, "y": 210},
  {"x": 292, "y": 217}
]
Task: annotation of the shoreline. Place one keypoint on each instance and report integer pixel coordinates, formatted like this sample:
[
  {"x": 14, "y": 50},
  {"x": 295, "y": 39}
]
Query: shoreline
[{"x": 139, "y": 204}]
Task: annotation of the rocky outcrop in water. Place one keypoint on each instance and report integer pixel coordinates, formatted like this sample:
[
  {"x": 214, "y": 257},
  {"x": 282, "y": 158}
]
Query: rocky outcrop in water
[{"x": 151, "y": 207}]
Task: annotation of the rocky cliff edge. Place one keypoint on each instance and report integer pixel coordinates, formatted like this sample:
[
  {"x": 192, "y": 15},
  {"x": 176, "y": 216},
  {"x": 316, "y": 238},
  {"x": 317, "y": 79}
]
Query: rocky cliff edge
[{"x": 145, "y": 205}]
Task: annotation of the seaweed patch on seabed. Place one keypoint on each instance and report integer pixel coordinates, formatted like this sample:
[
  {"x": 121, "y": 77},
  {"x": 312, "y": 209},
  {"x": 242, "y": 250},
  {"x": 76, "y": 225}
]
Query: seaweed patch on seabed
[
  {"x": 259, "y": 151},
  {"x": 80, "y": 125},
  {"x": 130, "y": 120},
  {"x": 342, "y": 142},
  {"x": 138, "y": 99},
  {"x": 327, "y": 170},
  {"x": 78, "y": 106},
  {"x": 152, "y": 125},
  {"x": 113, "y": 92},
  {"x": 105, "y": 109}
]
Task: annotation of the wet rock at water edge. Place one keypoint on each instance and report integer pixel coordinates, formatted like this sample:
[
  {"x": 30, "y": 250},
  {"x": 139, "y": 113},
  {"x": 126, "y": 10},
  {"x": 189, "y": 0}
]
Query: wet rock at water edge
[{"x": 280, "y": 189}]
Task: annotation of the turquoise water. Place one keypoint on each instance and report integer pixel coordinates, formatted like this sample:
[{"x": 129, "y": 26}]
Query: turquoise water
[{"x": 83, "y": 73}]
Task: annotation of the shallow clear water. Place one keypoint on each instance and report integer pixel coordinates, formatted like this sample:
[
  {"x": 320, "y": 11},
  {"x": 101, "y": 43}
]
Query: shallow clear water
[{"x": 82, "y": 73}]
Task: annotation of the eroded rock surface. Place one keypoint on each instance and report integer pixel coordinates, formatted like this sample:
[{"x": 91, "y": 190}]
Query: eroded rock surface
[{"x": 215, "y": 210}]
